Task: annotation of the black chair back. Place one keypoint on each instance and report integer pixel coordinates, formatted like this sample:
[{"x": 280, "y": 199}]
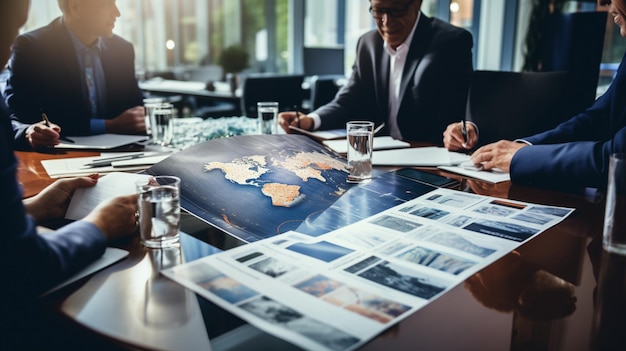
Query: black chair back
[
  {"x": 324, "y": 88},
  {"x": 512, "y": 105},
  {"x": 286, "y": 89}
]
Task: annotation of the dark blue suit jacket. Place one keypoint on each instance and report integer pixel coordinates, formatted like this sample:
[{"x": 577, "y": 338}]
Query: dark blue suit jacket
[
  {"x": 32, "y": 263},
  {"x": 576, "y": 152},
  {"x": 434, "y": 85},
  {"x": 45, "y": 74}
]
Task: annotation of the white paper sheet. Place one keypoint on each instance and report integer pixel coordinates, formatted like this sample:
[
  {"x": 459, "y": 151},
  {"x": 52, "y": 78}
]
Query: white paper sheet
[
  {"x": 75, "y": 166},
  {"x": 114, "y": 184},
  {"x": 493, "y": 176},
  {"x": 101, "y": 141},
  {"x": 419, "y": 156},
  {"x": 380, "y": 143}
]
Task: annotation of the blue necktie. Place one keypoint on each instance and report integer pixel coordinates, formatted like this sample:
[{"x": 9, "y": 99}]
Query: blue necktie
[{"x": 91, "y": 82}]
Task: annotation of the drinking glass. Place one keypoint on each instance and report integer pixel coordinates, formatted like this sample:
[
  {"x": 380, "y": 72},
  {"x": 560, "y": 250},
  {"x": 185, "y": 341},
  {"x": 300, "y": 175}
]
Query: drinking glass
[
  {"x": 267, "y": 112},
  {"x": 614, "y": 236},
  {"x": 150, "y": 104},
  {"x": 159, "y": 210},
  {"x": 163, "y": 124},
  {"x": 360, "y": 137}
]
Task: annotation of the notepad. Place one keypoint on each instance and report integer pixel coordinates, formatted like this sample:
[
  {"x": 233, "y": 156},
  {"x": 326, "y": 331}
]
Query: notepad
[
  {"x": 492, "y": 176},
  {"x": 322, "y": 134},
  {"x": 75, "y": 166},
  {"x": 380, "y": 143},
  {"x": 101, "y": 141},
  {"x": 415, "y": 157}
]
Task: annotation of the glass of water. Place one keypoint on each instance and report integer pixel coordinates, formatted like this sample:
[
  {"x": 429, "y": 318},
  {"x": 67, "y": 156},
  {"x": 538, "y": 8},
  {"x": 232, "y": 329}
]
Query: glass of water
[
  {"x": 267, "y": 112},
  {"x": 159, "y": 210},
  {"x": 150, "y": 104},
  {"x": 360, "y": 135},
  {"x": 162, "y": 128}
]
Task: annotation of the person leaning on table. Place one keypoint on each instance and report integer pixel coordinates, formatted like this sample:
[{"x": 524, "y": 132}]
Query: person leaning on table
[
  {"x": 575, "y": 153},
  {"x": 49, "y": 72},
  {"x": 412, "y": 74},
  {"x": 32, "y": 262}
]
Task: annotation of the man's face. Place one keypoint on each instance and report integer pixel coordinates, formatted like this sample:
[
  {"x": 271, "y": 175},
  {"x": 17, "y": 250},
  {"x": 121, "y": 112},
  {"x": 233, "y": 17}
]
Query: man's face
[
  {"x": 97, "y": 17},
  {"x": 13, "y": 15},
  {"x": 395, "y": 18},
  {"x": 617, "y": 10}
]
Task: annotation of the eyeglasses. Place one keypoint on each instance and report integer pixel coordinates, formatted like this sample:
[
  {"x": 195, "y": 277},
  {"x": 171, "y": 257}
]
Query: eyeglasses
[{"x": 396, "y": 12}]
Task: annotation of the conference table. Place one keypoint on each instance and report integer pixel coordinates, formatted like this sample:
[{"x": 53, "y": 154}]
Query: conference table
[{"x": 539, "y": 297}]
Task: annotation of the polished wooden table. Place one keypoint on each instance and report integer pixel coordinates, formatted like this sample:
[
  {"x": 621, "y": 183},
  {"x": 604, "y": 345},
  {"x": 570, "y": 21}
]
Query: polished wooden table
[{"x": 540, "y": 297}]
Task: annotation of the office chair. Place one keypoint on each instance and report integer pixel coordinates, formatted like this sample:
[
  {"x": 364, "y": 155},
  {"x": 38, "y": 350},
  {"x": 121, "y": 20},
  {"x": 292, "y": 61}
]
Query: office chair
[
  {"x": 574, "y": 42},
  {"x": 324, "y": 88},
  {"x": 512, "y": 105},
  {"x": 283, "y": 88}
]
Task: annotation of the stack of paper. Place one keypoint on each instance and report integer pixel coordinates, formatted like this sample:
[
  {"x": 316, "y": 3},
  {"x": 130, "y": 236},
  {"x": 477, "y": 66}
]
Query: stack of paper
[
  {"x": 418, "y": 157},
  {"x": 77, "y": 166},
  {"x": 101, "y": 141}
]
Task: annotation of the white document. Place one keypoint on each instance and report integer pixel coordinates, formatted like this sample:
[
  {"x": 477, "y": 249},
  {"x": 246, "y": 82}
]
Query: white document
[
  {"x": 75, "y": 166},
  {"x": 491, "y": 176},
  {"x": 380, "y": 143},
  {"x": 101, "y": 141},
  {"x": 110, "y": 256},
  {"x": 338, "y": 290},
  {"x": 419, "y": 156},
  {"x": 114, "y": 184},
  {"x": 322, "y": 134}
]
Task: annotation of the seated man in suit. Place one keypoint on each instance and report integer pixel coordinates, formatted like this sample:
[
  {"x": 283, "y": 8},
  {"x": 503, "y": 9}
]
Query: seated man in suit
[
  {"x": 412, "y": 74},
  {"x": 79, "y": 73},
  {"x": 575, "y": 153},
  {"x": 32, "y": 262}
]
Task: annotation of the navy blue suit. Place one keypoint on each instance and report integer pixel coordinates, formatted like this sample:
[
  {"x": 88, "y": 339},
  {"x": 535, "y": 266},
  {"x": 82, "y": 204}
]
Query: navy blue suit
[
  {"x": 433, "y": 89},
  {"x": 45, "y": 74},
  {"x": 32, "y": 262},
  {"x": 576, "y": 152}
]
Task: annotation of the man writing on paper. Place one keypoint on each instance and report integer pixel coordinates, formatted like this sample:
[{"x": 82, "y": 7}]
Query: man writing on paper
[
  {"x": 574, "y": 153},
  {"x": 32, "y": 262},
  {"x": 412, "y": 74},
  {"x": 77, "y": 72}
]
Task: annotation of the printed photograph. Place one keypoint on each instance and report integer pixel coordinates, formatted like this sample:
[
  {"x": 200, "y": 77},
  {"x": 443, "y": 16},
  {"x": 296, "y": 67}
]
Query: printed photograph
[
  {"x": 436, "y": 260},
  {"x": 460, "y": 200},
  {"x": 318, "y": 285},
  {"x": 395, "y": 223},
  {"x": 456, "y": 241},
  {"x": 548, "y": 210},
  {"x": 495, "y": 211},
  {"x": 272, "y": 267},
  {"x": 533, "y": 218},
  {"x": 366, "y": 304},
  {"x": 503, "y": 230},
  {"x": 429, "y": 213},
  {"x": 402, "y": 279},
  {"x": 249, "y": 257},
  {"x": 357, "y": 267},
  {"x": 228, "y": 289},
  {"x": 278, "y": 314},
  {"x": 322, "y": 250}
]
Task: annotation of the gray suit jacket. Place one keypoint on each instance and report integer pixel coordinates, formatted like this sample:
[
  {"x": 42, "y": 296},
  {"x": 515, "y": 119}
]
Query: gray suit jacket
[{"x": 434, "y": 84}]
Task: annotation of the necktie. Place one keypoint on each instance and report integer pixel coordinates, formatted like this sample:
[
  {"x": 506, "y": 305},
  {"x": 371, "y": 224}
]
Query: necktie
[{"x": 91, "y": 82}]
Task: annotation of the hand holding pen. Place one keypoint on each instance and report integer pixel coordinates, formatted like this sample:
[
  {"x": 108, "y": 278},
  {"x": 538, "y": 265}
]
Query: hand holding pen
[
  {"x": 43, "y": 134},
  {"x": 460, "y": 136},
  {"x": 294, "y": 120}
]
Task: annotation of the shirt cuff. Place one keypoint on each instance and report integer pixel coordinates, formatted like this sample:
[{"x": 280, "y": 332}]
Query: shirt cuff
[
  {"x": 317, "y": 120},
  {"x": 97, "y": 126},
  {"x": 522, "y": 141}
]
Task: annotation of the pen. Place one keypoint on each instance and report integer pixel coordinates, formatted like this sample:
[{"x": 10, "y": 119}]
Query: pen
[
  {"x": 464, "y": 131},
  {"x": 103, "y": 162},
  {"x": 379, "y": 128},
  {"x": 297, "y": 116},
  {"x": 47, "y": 122}
]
